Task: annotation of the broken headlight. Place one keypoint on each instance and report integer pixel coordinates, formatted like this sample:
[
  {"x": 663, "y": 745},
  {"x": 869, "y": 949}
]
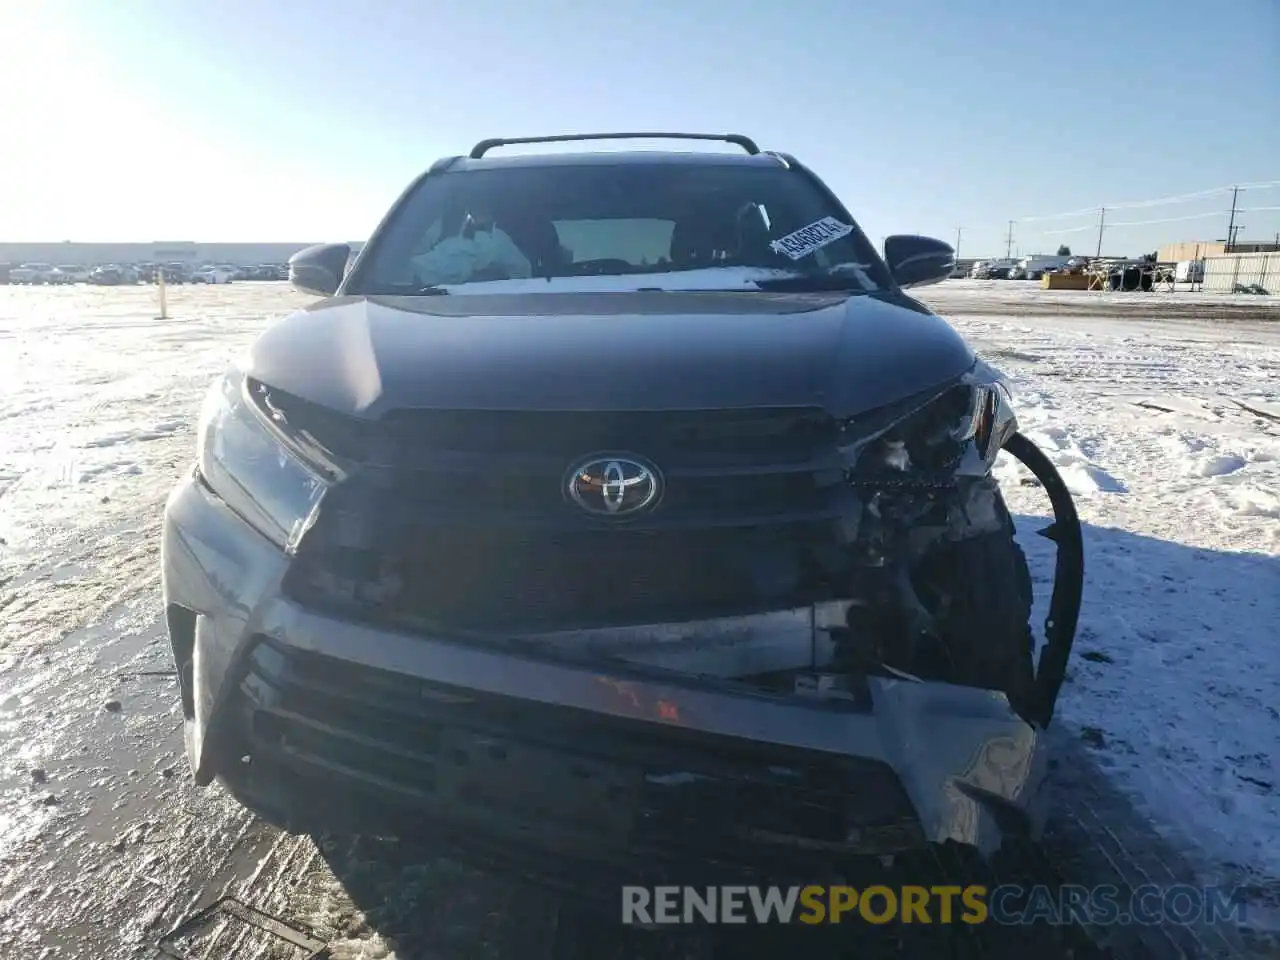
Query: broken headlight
[
  {"x": 248, "y": 465},
  {"x": 958, "y": 430}
]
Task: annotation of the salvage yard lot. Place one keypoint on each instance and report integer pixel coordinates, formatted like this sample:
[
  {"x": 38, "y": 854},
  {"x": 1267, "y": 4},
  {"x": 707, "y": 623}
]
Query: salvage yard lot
[{"x": 1159, "y": 410}]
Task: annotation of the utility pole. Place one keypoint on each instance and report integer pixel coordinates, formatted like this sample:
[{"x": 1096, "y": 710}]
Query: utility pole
[
  {"x": 1231, "y": 224},
  {"x": 1102, "y": 222},
  {"x": 958, "y": 242},
  {"x": 1008, "y": 242}
]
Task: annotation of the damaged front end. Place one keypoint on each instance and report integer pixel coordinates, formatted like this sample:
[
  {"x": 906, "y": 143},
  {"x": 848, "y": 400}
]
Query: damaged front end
[
  {"x": 827, "y": 618},
  {"x": 949, "y": 595}
]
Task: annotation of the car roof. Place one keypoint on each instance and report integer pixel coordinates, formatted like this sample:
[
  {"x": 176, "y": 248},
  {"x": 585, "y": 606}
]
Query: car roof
[{"x": 599, "y": 158}]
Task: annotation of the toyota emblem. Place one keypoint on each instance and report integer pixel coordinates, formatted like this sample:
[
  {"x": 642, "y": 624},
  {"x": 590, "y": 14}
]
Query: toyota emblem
[{"x": 614, "y": 486}]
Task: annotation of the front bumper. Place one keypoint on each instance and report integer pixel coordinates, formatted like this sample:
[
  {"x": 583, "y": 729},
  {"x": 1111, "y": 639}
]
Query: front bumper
[{"x": 321, "y": 724}]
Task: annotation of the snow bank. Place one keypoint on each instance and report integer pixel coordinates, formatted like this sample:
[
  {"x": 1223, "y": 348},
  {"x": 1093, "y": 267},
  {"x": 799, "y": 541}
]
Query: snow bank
[
  {"x": 1175, "y": 673},
  {"x": 1163, "y": 432}
]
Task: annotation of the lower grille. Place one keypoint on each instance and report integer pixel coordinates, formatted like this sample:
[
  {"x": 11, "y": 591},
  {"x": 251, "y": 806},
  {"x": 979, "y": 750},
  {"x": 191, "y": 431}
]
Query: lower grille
[{"x": 553, "y": 767}]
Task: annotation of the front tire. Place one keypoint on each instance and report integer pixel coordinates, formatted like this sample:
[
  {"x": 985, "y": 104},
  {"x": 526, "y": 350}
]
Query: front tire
[{"x": 978, "y": 590}]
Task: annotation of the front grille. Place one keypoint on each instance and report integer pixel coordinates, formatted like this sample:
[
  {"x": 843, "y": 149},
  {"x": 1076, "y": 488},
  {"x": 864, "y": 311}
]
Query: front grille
[
  {"x": 487, "y": 579},
  {"x": 754, "y": 438},
  {"x": 461, "y": 518},
  {"x": 546, "y": 765},
  {"x": 492, "y": 492}
]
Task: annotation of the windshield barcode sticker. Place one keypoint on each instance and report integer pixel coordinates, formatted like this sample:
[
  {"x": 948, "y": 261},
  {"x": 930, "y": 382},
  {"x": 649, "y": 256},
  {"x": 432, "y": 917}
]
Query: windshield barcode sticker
[{"x": 813, "y": 237}]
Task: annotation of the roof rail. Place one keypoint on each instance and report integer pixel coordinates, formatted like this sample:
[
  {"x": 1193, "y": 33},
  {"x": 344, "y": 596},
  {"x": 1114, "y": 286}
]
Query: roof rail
[
  {"x": 484, "y": 146},
  {"x": 443, "y": 164}
]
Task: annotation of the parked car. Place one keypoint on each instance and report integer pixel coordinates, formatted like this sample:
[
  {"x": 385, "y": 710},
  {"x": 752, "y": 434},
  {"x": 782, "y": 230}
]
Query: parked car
[
  {"x": 31, "y": 273},
  {"x": 613, "y": 548},
  {"x": 70, "y": 273},
  {"x": 993, "y": 269},
  {"x": 113, "y": 274},
  {"x": 106, "y": 275},
  {"x": 214, "y": 274}
]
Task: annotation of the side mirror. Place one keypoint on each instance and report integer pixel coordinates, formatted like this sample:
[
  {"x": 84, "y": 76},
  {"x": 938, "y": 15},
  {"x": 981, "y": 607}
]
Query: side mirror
[
  {"x": 319, "y": 269},
  {"x": 915, "y": 261}
]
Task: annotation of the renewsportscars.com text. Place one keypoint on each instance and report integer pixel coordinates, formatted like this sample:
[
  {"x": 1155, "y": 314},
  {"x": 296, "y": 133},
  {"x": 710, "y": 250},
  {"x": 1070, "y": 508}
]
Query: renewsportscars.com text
[{"x": 1104, "y": 905}]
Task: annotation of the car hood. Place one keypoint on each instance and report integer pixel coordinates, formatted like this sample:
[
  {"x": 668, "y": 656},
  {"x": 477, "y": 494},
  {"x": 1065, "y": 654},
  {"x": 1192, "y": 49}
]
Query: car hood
[{"x": 622, "y": 351}]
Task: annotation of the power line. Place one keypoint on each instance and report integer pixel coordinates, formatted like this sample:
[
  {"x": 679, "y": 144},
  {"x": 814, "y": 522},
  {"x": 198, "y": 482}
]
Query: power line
[
  {"x": 1158, "y": 202},
  {"x": 1191, "y": 216},
  {"x": 1136, "y": 223},
  {"x": 1062, "y": 230}
]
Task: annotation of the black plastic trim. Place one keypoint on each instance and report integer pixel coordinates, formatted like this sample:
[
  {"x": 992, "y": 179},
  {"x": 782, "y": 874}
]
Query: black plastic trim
[
  {"x": 484, "y": 146},
  {"x": 1068, "y": 577}
]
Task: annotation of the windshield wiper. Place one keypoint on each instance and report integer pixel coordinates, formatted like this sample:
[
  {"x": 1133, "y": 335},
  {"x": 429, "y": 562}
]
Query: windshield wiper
[
  {"x": 843, "y": 277},
  {"x": 405, "y": 289},
  {"x": 812, "y": 282}
]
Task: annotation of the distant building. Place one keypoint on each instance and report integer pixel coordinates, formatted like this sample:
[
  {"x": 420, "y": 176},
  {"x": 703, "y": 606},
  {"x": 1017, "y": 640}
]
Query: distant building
[
  {"x": 1197, "y": 249},
  {"x": 162, "y": 251}
]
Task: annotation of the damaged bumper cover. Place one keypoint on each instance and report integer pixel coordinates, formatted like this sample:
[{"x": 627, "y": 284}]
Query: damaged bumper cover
[
  {"x": 314, "y": 692},
  {"x": 317, "y": 722}
]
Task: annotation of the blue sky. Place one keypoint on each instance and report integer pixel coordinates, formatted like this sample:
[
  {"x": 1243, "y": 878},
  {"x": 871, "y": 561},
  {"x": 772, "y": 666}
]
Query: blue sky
[{"x": 302, "y": 119}]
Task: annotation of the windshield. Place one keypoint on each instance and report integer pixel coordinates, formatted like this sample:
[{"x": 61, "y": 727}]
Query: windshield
[{"x": 663, "y": 225}]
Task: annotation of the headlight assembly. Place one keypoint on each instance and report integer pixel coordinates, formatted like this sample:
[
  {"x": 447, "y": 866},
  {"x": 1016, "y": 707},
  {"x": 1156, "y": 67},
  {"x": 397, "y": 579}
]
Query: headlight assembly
[
  {"x": 955, "y": 431},
  {"x": 993, "y": 419},
  {"x": 246, "y": 464}
]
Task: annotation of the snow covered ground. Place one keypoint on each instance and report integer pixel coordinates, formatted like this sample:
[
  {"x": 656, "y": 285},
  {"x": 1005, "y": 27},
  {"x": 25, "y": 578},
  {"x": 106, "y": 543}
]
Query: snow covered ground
[
  {"x": 1155, "y": 426},
  {"x": 1162, "y": 411}
]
